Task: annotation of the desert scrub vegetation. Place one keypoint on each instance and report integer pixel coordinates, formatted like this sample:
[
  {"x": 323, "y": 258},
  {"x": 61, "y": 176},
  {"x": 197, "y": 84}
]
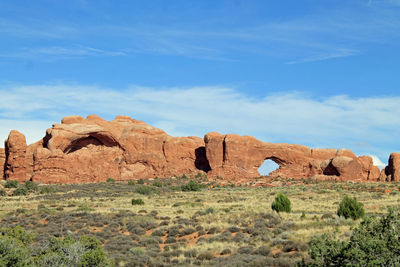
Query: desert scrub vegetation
[
  {"x": 374, "y": 242},
  {"x": 350, "y": 208},
  {"x": 16, "y": 249},
  {"x": 218, "y": 225},
  {"x": 281, "y": 203}
]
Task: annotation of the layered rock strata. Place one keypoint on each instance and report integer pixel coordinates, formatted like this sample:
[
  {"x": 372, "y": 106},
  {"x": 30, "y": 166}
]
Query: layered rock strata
[{"x": 81, "y": 150}]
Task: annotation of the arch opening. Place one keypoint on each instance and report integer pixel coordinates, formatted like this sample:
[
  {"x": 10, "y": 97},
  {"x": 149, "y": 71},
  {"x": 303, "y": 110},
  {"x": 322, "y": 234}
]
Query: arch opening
[
  {"x": 97, "y": 140},
  {"x": 268, "y": 166}
]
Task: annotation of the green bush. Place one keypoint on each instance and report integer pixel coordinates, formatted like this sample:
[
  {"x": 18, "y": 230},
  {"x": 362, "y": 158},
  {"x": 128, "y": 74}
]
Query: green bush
[
  {"x": 110, "y": 180},
  {"x": 281, "y": 203},
  {"x": 157, "y": 184},
  {"x": 191, "y": 186},
  {"x": 144, "y": 190},
  {"x": 31, "y": 186},
  {"x": 350, "y": 208},
  {"x": 131, "y": 182},
  {"x": 20, "y": 191},
  {"x": 46, "y": 190},
  {"x": 140, "y": 181},
  {"x": 14, "y": 246},
  {"x": 137, "y": 201},
  {"x": 3, "y": 193},
  {"x": 375, "y": 242},
  {"x": 16, "y": 250},
  {"x": 11, "y": 184}
]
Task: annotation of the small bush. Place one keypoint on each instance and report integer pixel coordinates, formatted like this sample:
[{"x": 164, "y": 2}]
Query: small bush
[
  {"x": 31, "y": 186},
  {"x": 144, "y": 190},
  {"x": 303, "y": 215},
  {"x": 3, "y": 193},
  {"x": 20, "y": 191},
  {"x": 191, "y": 186},
  {"x": 46, "y": 190},
  {"x": 137, "y": 201},
  {"x": 110, "y": 180},
  {"x": 281, "y": 203},
  {"x": 157, "y": 184},
  {"x": 350, "y": 208},
  {"x": 11, "y": 184},
  {"x": 140, "y": 181}
]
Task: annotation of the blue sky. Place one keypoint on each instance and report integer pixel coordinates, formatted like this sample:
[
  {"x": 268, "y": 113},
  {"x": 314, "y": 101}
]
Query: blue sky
[{"x": 318, "y": 73}]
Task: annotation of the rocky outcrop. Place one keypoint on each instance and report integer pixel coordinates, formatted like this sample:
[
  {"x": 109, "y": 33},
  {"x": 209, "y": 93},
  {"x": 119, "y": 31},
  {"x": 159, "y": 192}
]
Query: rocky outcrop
[
  {"x": 234, "y": 156},
  {"x": 392, "y": 172},
  {"x": 80, "y": 150},
  {"x": 2, "y": 161},
  {"x": 15, "y": 168},
  {"x": 92, "y": 150}
]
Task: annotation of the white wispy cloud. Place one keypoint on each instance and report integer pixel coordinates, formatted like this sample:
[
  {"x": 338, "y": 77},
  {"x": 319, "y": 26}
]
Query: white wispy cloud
[
  {"x": 342, "y": 31},
  {"x": 58, "y": 52},
  {"x": 338, "y": 121}
]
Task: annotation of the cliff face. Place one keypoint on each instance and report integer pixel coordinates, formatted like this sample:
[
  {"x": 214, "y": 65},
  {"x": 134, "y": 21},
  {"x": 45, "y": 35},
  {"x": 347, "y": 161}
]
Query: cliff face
[
  {"x": 2, "y": 162},
  {"x": 80, "y": 150}
]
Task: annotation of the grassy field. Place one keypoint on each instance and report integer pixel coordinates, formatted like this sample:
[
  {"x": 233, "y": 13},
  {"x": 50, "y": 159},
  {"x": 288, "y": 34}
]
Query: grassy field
[{"x": 218, "y": 225}]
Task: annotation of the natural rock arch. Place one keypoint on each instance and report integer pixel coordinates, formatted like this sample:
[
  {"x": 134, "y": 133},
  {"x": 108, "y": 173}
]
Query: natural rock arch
[
  {"x": 95, "y": 139},
  {"x": 268, "y": 166}
]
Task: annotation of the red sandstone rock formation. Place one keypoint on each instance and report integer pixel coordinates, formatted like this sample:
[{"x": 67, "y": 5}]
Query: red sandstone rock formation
[
  {"x": 80, "y": 150},
  {"x": 234, "y": 156},
  {"x": 15, "y": 168},
  {"x": 2, "y": 161},
  {"x": 93, "y": 150},
  {"x": 392, "y": 172}
]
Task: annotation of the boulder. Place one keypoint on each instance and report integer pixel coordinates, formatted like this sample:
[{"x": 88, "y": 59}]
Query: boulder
[{"x": 15, "y": 168}]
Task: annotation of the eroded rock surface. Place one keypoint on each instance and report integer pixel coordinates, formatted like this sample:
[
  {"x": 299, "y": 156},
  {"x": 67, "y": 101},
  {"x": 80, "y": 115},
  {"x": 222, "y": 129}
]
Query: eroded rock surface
[
  {"x": 80, "y": 150},
  {"x": 15, "y": 168},
  {"x": 392, "y": 172},
  {"x": 2, "y": 161},
  {"x": 234, "y": 156}
]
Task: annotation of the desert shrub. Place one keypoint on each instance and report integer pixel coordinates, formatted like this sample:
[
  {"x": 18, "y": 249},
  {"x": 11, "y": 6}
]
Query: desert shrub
[
  {"x": 144, "y": 190},
  {"x": 205, "y": 256},
  {"x": 131, "y": 182},
  {"x": 110, "y": 180},
  {"x": 137, "y": 201},
  {"x": 281, "y": 203},
  {"x": 20, "y": 191},
  {"x": 140, "y": 181},
  {"x": 46, "y": 190},
  {"x": 350, "y": 208},
  {"x": 31, "y": 186},
  {"x": 209, "y": 210},
  {"x": 190, "y": 253},
  {"x": 303, "y": 215},
  {"x": 11, "y": 184},
  {"x": 12, "y": 253},
  {"x": 170, "y": 240},
  {"x": 173, "y": 230},
  {"x": 191, "y": 186},
  {"x": 245, "y": 250},
  {"x": 233, "y": 229},
  {"x": 226, "y": 251},
  {"x": 187, "y": 231},
  {"x": 263, "y": 250},
  {"x": 3, "y": 193},
  {"x": 374, "y": 242},
  {"x": 157, "y": 184}
]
